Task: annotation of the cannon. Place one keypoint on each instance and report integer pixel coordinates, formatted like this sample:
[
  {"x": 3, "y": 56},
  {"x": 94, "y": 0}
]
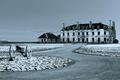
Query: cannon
[
  {"x": 24, "y": 51},
  {"x": 20, "y": 49}
]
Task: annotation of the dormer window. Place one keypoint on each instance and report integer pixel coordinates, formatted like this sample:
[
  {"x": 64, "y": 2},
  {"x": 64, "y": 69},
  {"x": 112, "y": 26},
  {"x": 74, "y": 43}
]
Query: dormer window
[{"x": 98, "y": 27}]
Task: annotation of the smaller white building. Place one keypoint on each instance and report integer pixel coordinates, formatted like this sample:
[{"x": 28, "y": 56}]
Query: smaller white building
[
  {"x": 88, "y": 33},
  {"x": 48, "y": 38}
]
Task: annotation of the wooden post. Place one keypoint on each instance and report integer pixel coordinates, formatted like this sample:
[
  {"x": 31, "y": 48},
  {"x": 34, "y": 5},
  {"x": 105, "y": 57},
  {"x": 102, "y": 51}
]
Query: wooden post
[
  {"x": 27, "y": 53},
  {"x": 10, "y": 51}
]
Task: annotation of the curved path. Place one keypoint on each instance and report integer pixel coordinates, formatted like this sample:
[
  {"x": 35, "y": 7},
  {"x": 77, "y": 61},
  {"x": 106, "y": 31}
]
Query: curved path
[{"x": 86, "y": 68}]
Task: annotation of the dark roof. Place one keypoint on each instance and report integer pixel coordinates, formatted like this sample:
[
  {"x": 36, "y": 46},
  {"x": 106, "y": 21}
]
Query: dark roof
[
  {"x": 49, "y": 36},
  {"x": 85, "y": 26},
  {"x": 58, "y": 36}
]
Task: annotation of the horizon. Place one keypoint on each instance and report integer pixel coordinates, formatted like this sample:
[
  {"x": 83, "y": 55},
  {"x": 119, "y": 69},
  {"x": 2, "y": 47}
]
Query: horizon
[{"x": 26, "y": 20}]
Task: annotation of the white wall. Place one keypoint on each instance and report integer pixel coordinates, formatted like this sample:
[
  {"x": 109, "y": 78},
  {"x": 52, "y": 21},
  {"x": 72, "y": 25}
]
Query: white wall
[{"x": 89, "y": 36}]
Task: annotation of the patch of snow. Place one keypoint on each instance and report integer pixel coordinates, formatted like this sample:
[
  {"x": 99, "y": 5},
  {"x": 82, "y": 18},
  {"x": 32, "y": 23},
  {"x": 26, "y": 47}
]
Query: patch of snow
[
  {"x": 34, "y": 63},
  {"x": 100, "y": 49}
]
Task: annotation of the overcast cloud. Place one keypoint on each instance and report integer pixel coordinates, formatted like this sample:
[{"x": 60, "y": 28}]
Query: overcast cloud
[{"x": 25, "y": 20}]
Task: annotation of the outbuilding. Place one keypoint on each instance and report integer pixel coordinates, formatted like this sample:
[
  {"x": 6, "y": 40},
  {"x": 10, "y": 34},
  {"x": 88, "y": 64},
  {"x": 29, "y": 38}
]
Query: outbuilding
[{"x": 48, "y": 38}]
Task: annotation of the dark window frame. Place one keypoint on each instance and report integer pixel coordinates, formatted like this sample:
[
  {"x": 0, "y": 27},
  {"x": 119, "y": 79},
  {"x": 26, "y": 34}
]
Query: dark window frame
[
  {"x": 73, "y": 39},
  {"x": 78, "y": 33},
  {"x": 105, "y": 39},
  {"x": 98, "y": 33},
  {"x": 63, "y": 34},
  {"x": 98, "y": 40},
  {"x": 68, "y": 40},
  {"x": 93, "y": 40},
  {"x": 73, "y": 33},
  {"x": 63, "y": 39},
  {"x": 83, "y": 40},
  {"x": 78, "y": 39},
  {"x": 67, "y": 34},
  {"x": 83, "y": 34},
  {"x": 104, "y": 32},
  {"x": 86, "y": 39},
  {"x": 93, "y": 33},
  {"x": 86, "y": 33}
]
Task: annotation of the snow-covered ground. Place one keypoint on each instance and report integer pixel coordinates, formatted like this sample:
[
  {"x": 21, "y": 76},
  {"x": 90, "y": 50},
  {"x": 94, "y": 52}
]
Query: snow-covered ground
[
  {"x": 100, "y": 49},
  {"x": 85, "y": 68},
  {"x": 34, "y": 63}
]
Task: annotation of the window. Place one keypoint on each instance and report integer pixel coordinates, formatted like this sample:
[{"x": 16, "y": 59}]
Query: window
[
  {"x": 42, "y": 40},
  {"x": 83, "y": 33},
  {"x": 95, "y": 27},
  {"x": 98, "y": 40},
  {"x": 73, "y": 33},
  {"x": 98, "y": 27},
  {"x": 68, "y": 40},
  {"x": 92, "y": 39},
  {"x": 82, "y": 40},
  {"x": 56, "y": 40},
  {"x": 78, "y": 39},
  {"x": 92, "y": 33},
  {"x": 63, "y": 34},
  {"x": 63, "y": 40},
  {"x": 68, "y": 34},
  {"x": 78, "y": 33},
  {"x": 98, "y": 33},
  {"x": 104, "y": 39},
  {"x": 92, "y": 27},
  {"x": 86, "y": 39},
  {"x": 82, "y": 27},
  {"x": 87, "y": 27},
  {"x": 73, "y": 39},
  {"x": 104, "y": 32},
  {"x": 87, "y": 33}
]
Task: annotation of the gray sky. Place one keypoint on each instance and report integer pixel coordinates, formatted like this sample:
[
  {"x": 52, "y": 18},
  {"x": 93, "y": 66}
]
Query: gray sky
[{"x": 25, "y": 20}]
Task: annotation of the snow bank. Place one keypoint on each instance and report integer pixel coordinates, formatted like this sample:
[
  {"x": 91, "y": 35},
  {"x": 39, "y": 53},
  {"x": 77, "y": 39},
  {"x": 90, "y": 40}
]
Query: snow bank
[
  {"x": 102, "y": 49},
  {"x": 34, "y": 63}
]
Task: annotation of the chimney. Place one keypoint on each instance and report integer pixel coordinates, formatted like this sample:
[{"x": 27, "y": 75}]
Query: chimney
[
  {"x": 77, "y": 25},
  {"x": 113, "y": 23},
  {"x": 63, "y": 28},
  {"x": 90, "y": 24},
  {"x": 109, "y": 23},
  {"x": 63, "y": 25}
]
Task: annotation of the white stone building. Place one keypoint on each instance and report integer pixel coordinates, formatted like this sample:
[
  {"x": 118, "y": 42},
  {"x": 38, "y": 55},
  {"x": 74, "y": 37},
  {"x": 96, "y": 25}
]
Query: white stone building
[{"x": 88, "y": 33}]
